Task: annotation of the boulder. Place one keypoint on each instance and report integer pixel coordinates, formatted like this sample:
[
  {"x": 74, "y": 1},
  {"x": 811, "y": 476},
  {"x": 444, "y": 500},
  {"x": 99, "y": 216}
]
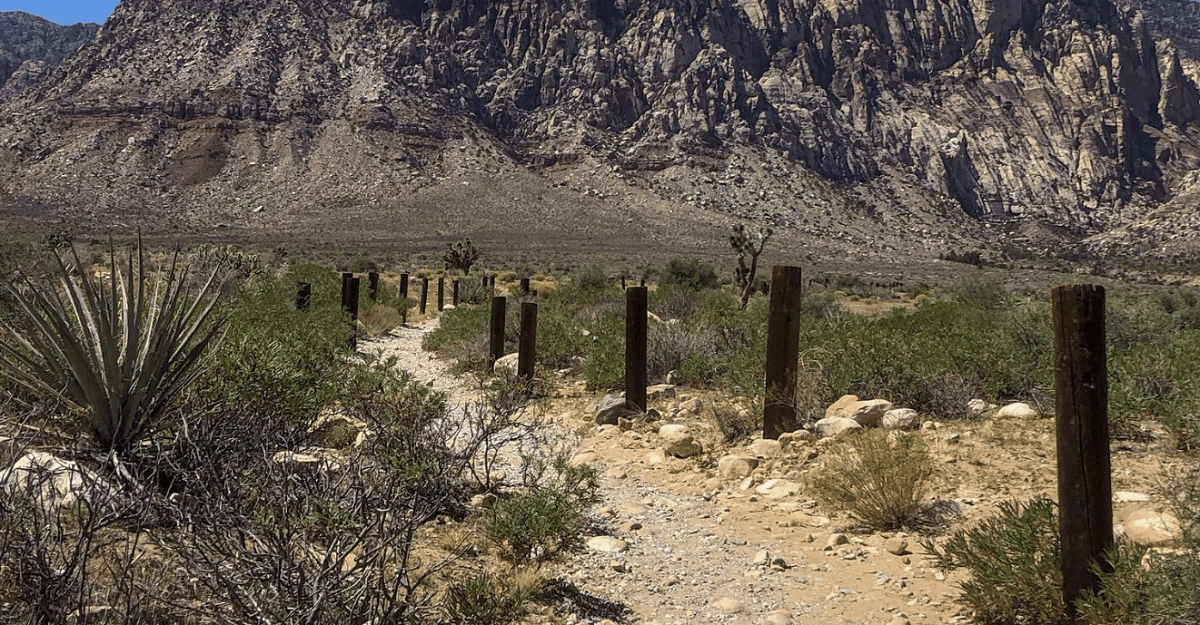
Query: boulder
[
  {"x": 900, "y": 419},
  {"x": 838, "y": 408},
  {"x": 335, "y": 431},
  {"x": 1017, "y": 410},
  {"x": 868, "y": 413},
  {"x": 611, "y": 409},
  {"x": 679, "y": 442},
  {"x": 506, "y": 364},
  {"x": 979, "y": 409},
  {"x": 766, "y": 448},
  {"x": 56, "y": 482},
  {"x": 660, "y": 391},
  {"x": 736, "y": 467},
  {"x": 836, "y": 426},
  {"x": 1150, "y": 528}
]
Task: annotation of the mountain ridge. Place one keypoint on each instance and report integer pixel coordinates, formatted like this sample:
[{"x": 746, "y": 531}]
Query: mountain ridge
[{"x": 937, "y": 117}]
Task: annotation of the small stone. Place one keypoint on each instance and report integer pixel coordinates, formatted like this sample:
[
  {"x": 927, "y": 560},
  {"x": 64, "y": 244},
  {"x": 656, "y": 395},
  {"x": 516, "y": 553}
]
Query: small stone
[
  {"x": 835, "y": 540},
  {"x": 607, "y": 544},
  {"x": 1017, "y": 410},
  {"x": 896, "y": 546},
  {"x": 728, "y": 606},
  {"x": 761, "y": 558},
  {"x": 766, "y": 448}
]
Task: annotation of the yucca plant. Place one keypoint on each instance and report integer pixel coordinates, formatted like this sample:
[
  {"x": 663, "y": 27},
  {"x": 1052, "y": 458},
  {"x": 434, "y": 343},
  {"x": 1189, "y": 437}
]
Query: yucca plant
[{"x": 115, "y": 350}]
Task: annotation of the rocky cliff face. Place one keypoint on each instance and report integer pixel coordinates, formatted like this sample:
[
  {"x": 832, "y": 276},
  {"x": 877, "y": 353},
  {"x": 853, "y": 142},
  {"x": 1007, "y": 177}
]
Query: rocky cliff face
[
  {"x": 1064, "y": 111},
  {"x": 31, "y": 46}
]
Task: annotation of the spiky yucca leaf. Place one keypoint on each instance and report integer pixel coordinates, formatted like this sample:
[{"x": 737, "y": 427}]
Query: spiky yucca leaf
[{"x": 117, "y": 353}]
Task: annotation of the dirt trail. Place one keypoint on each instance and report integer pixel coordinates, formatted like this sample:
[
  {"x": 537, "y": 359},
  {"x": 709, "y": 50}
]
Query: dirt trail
[{"x": 689, "y": 546}]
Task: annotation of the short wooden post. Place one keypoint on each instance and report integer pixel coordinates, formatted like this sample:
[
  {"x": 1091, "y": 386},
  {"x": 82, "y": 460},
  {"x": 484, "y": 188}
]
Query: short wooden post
[
  {"x": 1081, "y": 411},
  {"x": 455, "y": 293},
  {"x": 524, "y": 286},
  {"x": 403, "y": 285},
  {"x": 373, "y": 285},
  {"x": 496, "y": 335},
  {"x": 643, "y": 283},
  {"x": 635, "y": 348},
  {"x": 353, "y": 302},
  {"x": 441, "y": 293},
  {"x": 783, "y": 353},
  {"x": 424, "y": 294},
  {"x": 484, "y": 281},
  {"x": 527, "y": 352},
  {"x": 492, "y": 282},
  {"x": 623, "y": 286},
  {"x": 303, "y": 295}
]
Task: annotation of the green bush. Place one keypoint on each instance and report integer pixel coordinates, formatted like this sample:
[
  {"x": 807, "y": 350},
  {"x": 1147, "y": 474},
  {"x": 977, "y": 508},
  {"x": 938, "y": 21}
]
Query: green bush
[
  {"x": 1014, "y": 561},
  {"x": 981, "y": 292},
  {"x": 484, "y": 599},
  {"x": 536, "y": 525},
  {"x": 878, "y": 477},
  {"x": 690, "y": 273}
]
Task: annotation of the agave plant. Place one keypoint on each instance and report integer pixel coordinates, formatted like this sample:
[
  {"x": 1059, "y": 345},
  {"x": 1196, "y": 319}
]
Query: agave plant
[{"x": 114, "y": 349}]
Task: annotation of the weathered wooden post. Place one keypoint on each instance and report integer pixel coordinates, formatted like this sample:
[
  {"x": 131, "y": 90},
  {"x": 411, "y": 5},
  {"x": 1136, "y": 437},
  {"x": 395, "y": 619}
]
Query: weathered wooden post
[
  {"x": 496, "y": 335},
  {"x": 492, "y": 282},
  {"x": 424, "y": 294},
  {"x": 635, "y": 348},
  {"x": 524, "y": 286},
  {"x": 346, "y": 277},
  {"x": 623, "y": 285},
  {"x": 527, "y": 352},
  {"x": 404, "y": 285},
  {"x": 455, "y": 292},
  {"x": 373, "y": 285},
  {"x": 441, "y": 293},
  {"x": 783, "y": 353},
  {"x": 353, "y": 309},
  {"x": 1081, "y": 411},
  {"x": 303, "y": 295}
]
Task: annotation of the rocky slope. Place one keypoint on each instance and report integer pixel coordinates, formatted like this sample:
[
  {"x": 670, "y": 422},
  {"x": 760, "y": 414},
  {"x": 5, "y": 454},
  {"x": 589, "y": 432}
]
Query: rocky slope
[
  {"x": 861, "y": 120},
  {"x": 31, "y": 46}
]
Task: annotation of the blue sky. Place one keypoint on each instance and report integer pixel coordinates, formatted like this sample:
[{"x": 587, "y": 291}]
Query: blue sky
[{"x": 64, "y": 12}]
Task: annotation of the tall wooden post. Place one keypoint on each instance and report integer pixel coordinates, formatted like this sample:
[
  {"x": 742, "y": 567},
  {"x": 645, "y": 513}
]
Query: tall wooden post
[
  {"x": 404, "y": 285},
  {"x": 346, "y": 277},
  {"x": 524, "y": 286},
  {"x": 424, "y": 294},
  {"x": 1081, "y": 410},
  {"x": 373, "y": 285},
  {"x": 783, "y": 353},
  {"x": 353, "y": 304},
  {"x": 303, "y": 295},
  {"x": 496, "y": 334},
  {"x": 441, "y": 293},
  {"x": 455, "y": 291},
  {"x": 527, "y": 354},
  {"x": 635, "y": 348}
]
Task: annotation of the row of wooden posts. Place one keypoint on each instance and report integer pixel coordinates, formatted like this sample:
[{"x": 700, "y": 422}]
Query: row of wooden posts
[{"x": 1081, "y": 392}]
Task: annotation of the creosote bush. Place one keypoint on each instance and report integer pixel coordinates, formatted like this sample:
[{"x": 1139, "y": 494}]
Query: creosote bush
[{"x": 876, "y": 475}]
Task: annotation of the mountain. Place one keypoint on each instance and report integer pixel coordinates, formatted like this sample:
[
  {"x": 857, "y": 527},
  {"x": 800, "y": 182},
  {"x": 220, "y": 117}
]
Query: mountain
[
  {"x": 31, "y": 46},
  {"x": 919, "y": 125}
]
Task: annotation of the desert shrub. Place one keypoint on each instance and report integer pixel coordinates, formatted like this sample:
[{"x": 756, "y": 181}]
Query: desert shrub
[
  {"x": 981, "y": 292},
  {"x": 1014, "y": 562},
  {"x": 535, "y": 525},
  {"x": 821, "y": 305},
  {"x": 690, "y": 273},
  {"x": 878, "y": 477},
  {"x": 675, "y": 347},
  {"x": 591, "y": 279},
  {"x": 275, "y": 362},
  {"x": 485, "y": 599},
  {"x": 377, "y": 319}
]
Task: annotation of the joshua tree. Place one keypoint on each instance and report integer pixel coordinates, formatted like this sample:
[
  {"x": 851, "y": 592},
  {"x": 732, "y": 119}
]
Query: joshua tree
[
  {"x": 746, "y": 244},
  {"x": 461, "y": 255}
]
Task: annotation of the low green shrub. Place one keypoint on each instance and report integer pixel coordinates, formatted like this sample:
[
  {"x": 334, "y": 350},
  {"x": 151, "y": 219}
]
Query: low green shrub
[
  {"x": 877, "y": 476},
  {"x": 690, "y": 273},
  {"x": 536, "y": 525},
  {"x": 485, "y": 599},
  {"x": 1014, "y": 561}
]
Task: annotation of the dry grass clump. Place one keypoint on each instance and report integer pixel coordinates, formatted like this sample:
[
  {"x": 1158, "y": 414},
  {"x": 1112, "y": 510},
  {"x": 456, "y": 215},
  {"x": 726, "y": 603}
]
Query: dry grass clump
[{"x": 877, "y": 476}]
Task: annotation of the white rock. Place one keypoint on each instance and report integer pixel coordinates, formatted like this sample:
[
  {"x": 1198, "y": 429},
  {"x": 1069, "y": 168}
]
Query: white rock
[
  {"x": 607, "y": 544},
  {"x": 736, "y": 467},
  {"x": 1125, "y": 496},
  {"x": 766, "y": 448},
  {"x": 1150, "y": 528},
  {"x": 868, "y": 413},
  {"x": 838, "y": 408},
  {"x": 896, "y": 546},
  {"x": 679, "y": 442},
  {"x": 835, "y": 426},
  {"x": 506, "y": 364},
  {"x": 728, "y": 605},
  {"x": 979, "y": 409},
  {"x": 55, "y": 481},
  {"x": 1017, "y": 411},
  {"x": 900, "y": 419},
  {"x": 777, "y": 489}
]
